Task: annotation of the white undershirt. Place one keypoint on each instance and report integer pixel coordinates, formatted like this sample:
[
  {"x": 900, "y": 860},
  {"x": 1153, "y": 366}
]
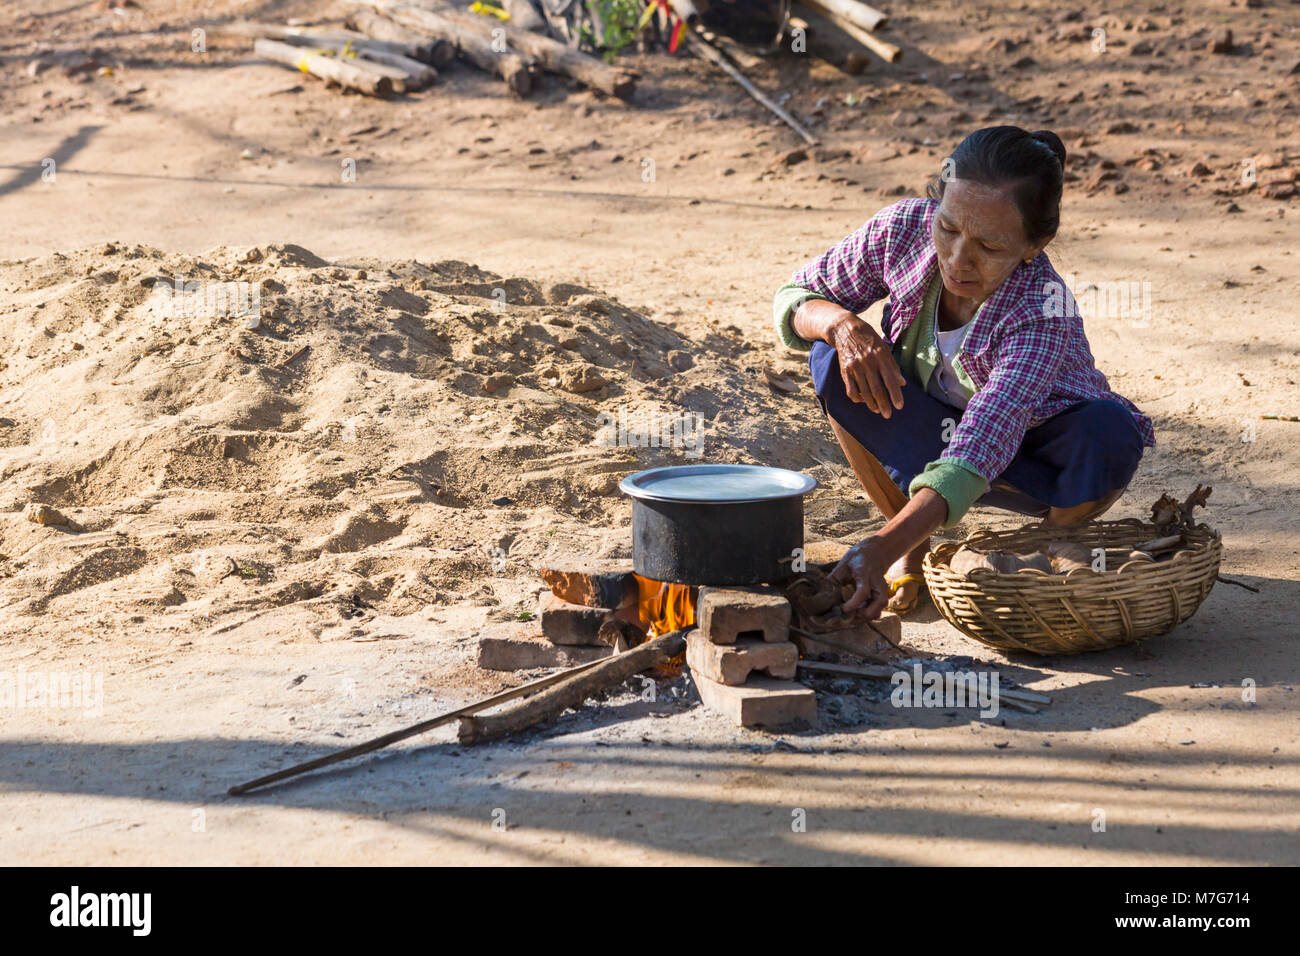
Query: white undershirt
[{"x": 945, "y": 376}]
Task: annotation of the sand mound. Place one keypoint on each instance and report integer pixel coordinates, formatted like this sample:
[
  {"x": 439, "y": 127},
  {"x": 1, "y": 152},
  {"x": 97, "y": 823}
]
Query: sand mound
[{"x": 254, "y": 428}]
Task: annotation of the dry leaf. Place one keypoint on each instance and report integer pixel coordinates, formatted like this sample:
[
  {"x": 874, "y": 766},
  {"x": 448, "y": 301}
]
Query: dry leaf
[{"x": 780, "y": 381}]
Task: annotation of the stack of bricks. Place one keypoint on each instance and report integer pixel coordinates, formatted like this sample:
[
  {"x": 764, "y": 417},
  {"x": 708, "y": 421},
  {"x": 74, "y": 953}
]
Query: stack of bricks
[
  {"x": 743, "y": 661},
  {"x": 590, "y": 606}
]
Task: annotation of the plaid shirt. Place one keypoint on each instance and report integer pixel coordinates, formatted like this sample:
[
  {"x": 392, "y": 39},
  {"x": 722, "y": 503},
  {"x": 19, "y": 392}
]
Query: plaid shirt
[{"x": 1027, "y": 363}]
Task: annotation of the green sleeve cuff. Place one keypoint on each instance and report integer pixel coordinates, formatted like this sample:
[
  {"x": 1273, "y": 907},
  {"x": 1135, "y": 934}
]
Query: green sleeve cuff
[
  {"x": 788, "y": 298},
  {"x": 958, "y": 482}
]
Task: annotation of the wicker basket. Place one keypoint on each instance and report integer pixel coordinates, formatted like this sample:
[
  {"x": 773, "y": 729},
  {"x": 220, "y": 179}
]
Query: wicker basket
[{"x": 1084, "y": 610}]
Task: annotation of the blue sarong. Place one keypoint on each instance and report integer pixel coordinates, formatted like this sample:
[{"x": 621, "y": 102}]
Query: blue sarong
[{"x": 1081, "y": 454}]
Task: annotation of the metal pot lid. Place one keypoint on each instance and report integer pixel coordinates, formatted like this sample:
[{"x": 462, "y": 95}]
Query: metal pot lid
[{"x": 716, "y": 484}]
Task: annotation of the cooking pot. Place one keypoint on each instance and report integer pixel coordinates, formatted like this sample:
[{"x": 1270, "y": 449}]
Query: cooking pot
[{"x": 716, "y": 524}]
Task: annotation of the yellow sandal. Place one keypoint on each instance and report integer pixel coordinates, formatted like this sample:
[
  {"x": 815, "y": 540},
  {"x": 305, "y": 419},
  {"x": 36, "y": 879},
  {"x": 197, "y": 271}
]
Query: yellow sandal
[{"x": 897, "y": 583}]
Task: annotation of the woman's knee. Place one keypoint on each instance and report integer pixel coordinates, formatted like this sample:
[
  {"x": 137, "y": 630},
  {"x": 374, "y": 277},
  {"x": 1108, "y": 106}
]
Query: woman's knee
[
  {"x": 1107, "y": 422},
  {"x": 824, "y": 363}
]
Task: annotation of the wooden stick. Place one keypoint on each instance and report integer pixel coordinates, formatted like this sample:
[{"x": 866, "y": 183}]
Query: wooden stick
[
  {"x": 715, "y": 56},
  {"x": 406, "y": 74},
  {"x": 309, "y": 36},
  {"x": 332, "y": 68},
  {"x": 556, "y": 57},
  {"x": 474, "y": 45},
  {"x": 859, "y": 14},
  {"x": 1240, "y": 584},
  {"x": 378, "y": 743},
  {"x": 886, "y": 51},
  {"x": 429, "y": 49},
  {"x": 1006, "y": 697},
  {"x": 885, "y": 672},
  {"x": 1160, "y": 544},
  {"x": 739, "y": 55},
  {"x": 572, "y": 692},
  {"x": 414, "y": 74}
]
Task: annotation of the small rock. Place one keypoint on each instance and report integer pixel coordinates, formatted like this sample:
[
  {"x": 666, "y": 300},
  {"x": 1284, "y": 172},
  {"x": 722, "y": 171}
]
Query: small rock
[
  {"x": 495, "y": 383},
  {"x": 1023, "y": 63},
  {"x": 680, "y": 360},
  {"x": 1073, "y": 33},
  {"x": 1221, "y": 42},
  {"x": 44, "y": 515},
  {"x": 792, "y": 158},
  {"x": 906, "y": 118},
  {"x": 1095, "y": 181},
  {"x": 1124, "y": 126},
  {"x": 585, "y": 379},
  {"x": 590, "y": 303},
  {"x": 1199, "y": 169}
]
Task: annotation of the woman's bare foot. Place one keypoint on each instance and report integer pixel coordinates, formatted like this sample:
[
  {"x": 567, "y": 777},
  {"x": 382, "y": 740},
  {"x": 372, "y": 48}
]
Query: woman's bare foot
[{"x": 908, "y": 593}]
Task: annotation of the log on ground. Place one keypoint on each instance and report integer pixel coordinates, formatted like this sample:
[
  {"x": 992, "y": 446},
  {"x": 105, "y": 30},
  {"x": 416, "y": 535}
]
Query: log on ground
[
  {"x": 427, "y": 49},
  {"x": 332, "y": 68},
  {"x": 553, "y": 701},
  {"x": 555, "y": 57},
  {"x": 474, "y": 44}
]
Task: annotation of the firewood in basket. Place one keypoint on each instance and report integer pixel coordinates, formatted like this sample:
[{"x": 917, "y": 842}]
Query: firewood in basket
[
  {"x": 1067, "y": 556},
  {"x": 1164, "y": 511},
  {"x": 1169, "y": 515},
  {"x": 1157, "y": 545}
]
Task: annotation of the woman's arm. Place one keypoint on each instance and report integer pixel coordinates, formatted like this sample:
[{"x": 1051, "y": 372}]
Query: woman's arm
[
  {"x": 866, "y": 562},
  {"x": 851, "y": 274},
  {"x": 871, "y": 375}
]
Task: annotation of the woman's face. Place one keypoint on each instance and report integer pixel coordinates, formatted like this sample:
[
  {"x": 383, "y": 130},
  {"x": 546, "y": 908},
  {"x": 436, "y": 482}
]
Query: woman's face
[{"x": 979, "y": 237}]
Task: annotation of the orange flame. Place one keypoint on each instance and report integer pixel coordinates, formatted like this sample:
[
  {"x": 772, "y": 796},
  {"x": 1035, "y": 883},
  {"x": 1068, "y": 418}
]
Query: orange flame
[{"x": 664, "y": 607}]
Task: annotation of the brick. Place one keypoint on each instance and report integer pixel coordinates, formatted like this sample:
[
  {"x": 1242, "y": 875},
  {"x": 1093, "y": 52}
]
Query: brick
[
  {"x": 759, "y": 702},
  {"x": 724, "y": 614},
  {"x": 861, "y": 641},
  {"x": 594, "y": 583},
  {"x": 732, "y": 663},
  {"x": 507, "y": 648},
  {"x": 574, "y": 624}
]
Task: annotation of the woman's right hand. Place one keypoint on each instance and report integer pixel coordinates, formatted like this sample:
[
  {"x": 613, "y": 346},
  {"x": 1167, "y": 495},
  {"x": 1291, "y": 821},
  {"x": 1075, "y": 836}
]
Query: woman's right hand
[{"x": 871, "y": 376}]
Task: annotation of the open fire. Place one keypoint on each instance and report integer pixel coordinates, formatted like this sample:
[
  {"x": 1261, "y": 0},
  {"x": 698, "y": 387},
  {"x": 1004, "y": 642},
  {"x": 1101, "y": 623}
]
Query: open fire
[{"x": 665, "y": 607}]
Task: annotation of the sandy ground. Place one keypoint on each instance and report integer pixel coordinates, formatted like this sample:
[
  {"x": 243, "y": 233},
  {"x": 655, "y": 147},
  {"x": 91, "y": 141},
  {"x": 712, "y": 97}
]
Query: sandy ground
[{"x": 277, "y": 552}]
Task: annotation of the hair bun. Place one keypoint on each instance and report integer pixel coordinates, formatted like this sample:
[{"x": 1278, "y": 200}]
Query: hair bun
[{"x": 1052, "y": 142}]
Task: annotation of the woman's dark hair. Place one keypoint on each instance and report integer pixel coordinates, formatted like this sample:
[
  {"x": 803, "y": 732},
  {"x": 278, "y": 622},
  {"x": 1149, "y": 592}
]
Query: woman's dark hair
[{"x": 1033, "y": 162}]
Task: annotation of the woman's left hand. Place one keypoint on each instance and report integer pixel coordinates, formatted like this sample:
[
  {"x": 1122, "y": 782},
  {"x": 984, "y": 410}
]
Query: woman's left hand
[{"x": 864, "y": 566}]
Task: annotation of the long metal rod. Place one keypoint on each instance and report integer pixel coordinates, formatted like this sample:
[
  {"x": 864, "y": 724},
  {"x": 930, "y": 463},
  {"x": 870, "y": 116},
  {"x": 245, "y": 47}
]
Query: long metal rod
[
  {"x": 718, "y": 58},
  {"x": 379, "y": 743}
]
